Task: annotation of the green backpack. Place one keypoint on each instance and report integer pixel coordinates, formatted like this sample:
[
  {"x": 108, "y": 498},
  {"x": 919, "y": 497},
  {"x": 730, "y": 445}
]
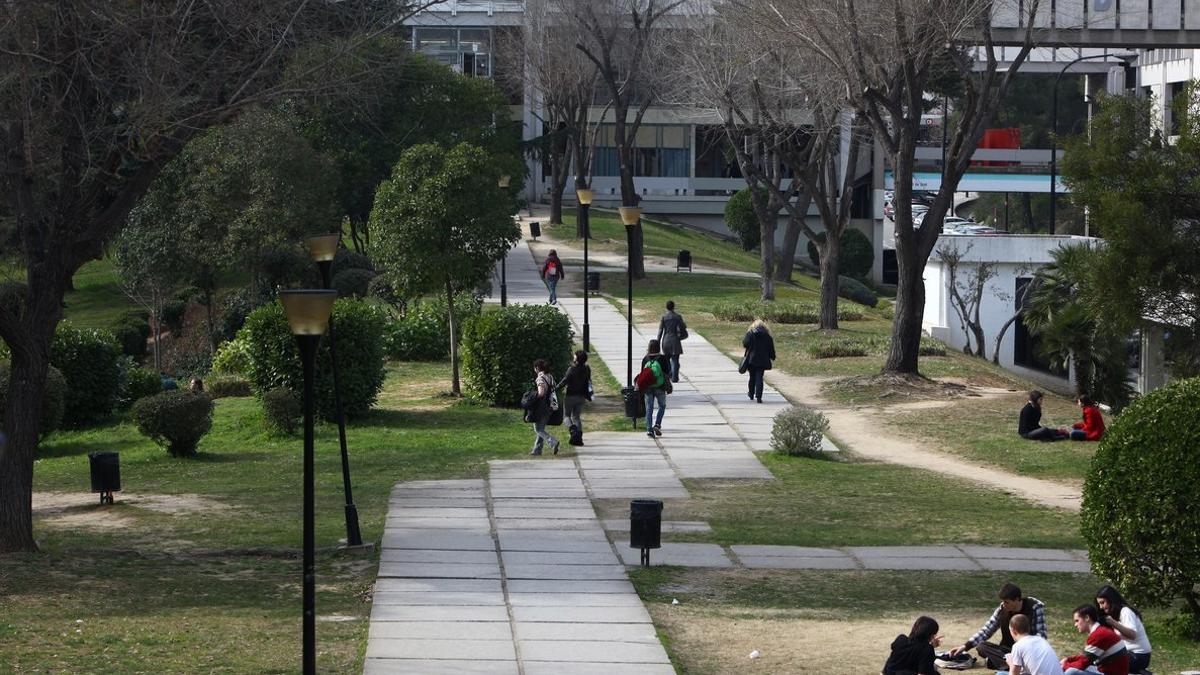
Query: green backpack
[{"x": 656, "y": 368}]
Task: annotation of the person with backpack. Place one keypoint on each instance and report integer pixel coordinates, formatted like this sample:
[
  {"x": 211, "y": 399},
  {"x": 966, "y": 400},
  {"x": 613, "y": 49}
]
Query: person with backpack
[
  {"x": 578, "y": 389},
  {"x": 672, "y": 331},
  {"x": 552, "y": 273},
  {"x": 655, "y": 384},
  {"x": 760, "y": 352},
  {"x": 541, "y": 406}
]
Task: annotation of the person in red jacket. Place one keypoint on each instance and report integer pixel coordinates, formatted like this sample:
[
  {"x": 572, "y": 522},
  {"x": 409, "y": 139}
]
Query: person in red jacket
[
  {"x": 552, "y": 273},
  {"x": 1103, "y": 651},
  {"x": 1092, "y": 426}
]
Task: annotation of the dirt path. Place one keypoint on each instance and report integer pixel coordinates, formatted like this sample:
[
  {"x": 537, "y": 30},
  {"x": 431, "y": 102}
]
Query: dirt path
[{"x": 858, "y": 430}]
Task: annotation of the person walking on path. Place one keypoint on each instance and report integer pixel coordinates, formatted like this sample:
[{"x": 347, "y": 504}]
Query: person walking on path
[
  {"x": 913, "y": 654},
  {"x": 552, "y": 273},
  {"x": 1031, "y": 654},
  {"x": 658, "y": 390},
  {"x": 1103, "y": 651},
  {"x": 1127, "y": 622},
  {"x": 1011, "y": 604},
  {"x": 578, "y": 388},
  {"x": 672, "y": 331},
  {"x": 546, "y": 400},
  {"x": 760, "y": 352}
]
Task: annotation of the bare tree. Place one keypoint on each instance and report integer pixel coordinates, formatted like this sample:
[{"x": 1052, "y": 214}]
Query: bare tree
[
  {"x": 563, "y": 81},
  {"x": 95, "y": 99},
  {"x": 966, "y": 292},
  {"x": 623, "y": 39},
  {"x": 1026, "y": 291},
  {"x": 884, "y": 52}
]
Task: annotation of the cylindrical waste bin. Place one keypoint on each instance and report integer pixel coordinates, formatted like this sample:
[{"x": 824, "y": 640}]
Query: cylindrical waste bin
[
  {"x": 684, "y": 259},
  {"x": 593, "y": 281},
  {"x": 645, "y": 526},
  {"x": 535, "y": 229},
  {"x": 635, "y": 403},
  {"x": 106, "y": 474}
]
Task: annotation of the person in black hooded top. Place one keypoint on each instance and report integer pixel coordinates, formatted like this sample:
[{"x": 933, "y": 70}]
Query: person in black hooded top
[{"x": 913, "y": 654}]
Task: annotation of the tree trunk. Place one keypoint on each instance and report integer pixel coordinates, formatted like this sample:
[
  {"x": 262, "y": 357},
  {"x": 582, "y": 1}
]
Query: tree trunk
[
  {"x": 22, "y": 420},
  {"x": 829, "y": 283},
  {"x": 785, "y": 261},
  {"x": 556, "y": 208},
  {"x": 1083, "y": 375},
  {"x": 1000, "y": 337},
  {"x": 906, "y": 325},
  {"x": 454, "y": 386}
]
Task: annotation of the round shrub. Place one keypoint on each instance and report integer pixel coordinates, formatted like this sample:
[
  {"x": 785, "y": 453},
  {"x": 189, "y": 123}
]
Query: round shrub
[
  {"x": 132, "y": 331},
  {"x": 227, "y": 386},
  {"x": 53, "y": 397},
  {"x": 275, "y": 359},
  {"x": 423, "y": 334},
  {"x": 136, "y": 383},
  {"x": 855, "y": 290},
  {"x": 741, "y": 220},
  {"x": 88, "y": 358},
  {"x": 353, "y": 283},
  {"x": 282, "y": 411},
  {"x": 797, "y": 431},
  {"x": 232, "y": 358},
  {"x": 347, "y": 259},
  {"x": 855, "y": 258},
  {"x": 235, "y": 307},
  {"x": 285, "y": 266},
  {"x": 499, "y": 348},
  {"x": 176, "y": 420},
  {"x": 1139, "y": 515}
]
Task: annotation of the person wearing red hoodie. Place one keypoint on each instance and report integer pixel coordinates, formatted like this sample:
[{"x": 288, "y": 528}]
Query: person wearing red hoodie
[
  {"x": 1103, "y": 652},
  {"x": 1092, "y": 426}
]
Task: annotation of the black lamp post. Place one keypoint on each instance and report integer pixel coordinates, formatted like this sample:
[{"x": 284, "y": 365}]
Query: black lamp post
[
  {"x": 1127, "y": 59},
  {"x": 323, "y": 248},
  {"x": 585, "y": 201},
  {"x": 308, "y": 315},
  {"x": 630, "y": 215},
  {"x": 503, "y": 184}
]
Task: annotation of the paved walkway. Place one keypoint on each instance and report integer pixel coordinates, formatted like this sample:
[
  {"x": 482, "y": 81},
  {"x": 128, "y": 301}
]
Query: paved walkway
[{"x": 516, "y": 574}]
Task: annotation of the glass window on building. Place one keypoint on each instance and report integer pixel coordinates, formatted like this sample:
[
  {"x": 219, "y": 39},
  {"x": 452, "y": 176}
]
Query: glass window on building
[
  {"x": 440, "y": 44},
  {"x": 715, "y": 157},
  {"x": 466, "y": 50},
  {"x": 658, "y": 151}
]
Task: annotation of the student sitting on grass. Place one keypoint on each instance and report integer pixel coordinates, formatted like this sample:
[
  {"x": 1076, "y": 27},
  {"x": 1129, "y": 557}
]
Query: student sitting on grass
[
  {"x": 913, "y": 654},
  {"x": 1030, "y": 427},
  {"x": 1103, "y": 652},
  {"x": 1031, "y": 654},
  {"x": 1092, "y": 426}
]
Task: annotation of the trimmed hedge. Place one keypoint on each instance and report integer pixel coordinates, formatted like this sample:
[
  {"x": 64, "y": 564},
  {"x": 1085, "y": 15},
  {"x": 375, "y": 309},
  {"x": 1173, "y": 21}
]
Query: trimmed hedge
[
  {"x": 88, "y": 358},
  {"x": 275, "y": 359},
  {"x": 499, "y": 348},
  {"x": 176, "y": 420},
  {"x": 282, "y": 411},
  {"x": 855, "y": 258},
  {"x": 232, "y": 358},
  {"x": 423, "y": 334},
  {"x": 741, "y": 219},
  {"x": 866, "y": 346},
  {"x": 1139, "y": 515},
  {"x": 227, "y": 386},
  {"x": 856, "y": 291},
  {"x": 132, "y": 331},
  {"x": 779, "y": 311},
  {"x": 797, "y": 432},
  {"x": 53, "y": 397}
]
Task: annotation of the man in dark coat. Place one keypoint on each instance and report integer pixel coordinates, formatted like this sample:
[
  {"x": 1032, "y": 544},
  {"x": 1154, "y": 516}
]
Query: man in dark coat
[
  {"x": 671, "y": 332},
  {"x": 760, "y": 352}
]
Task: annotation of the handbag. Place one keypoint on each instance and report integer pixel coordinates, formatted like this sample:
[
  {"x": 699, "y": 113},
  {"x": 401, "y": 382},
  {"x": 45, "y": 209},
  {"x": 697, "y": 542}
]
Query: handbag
[
  {"x": 683, "y": 334},
  {"x": 745, "y": 364}
]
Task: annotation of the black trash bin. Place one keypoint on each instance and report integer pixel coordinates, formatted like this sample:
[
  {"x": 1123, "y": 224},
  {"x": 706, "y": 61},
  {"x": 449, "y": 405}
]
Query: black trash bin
[
  {"x": 535, "y": 229},
  {"x": 635, "y": 404},
  {"x": 684, "y": 259},
  {"x": 593, "y": 281},
  {"x": 645, "y": 526},
  {"x": 106, "y": 474}
]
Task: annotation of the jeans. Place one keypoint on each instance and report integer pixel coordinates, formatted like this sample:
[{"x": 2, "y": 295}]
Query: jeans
[
  {"x": 756, "y": 382},
  {"x": 539, "y": 429},
  {"x": 674, "y": 367},
  {"x": 552, "y": 284},
  {"x": 1138, "y": 662},
  {"x": 1078, "y": 435},
  {"x": 652, "y": 396},
  {"x": 574, "y": 410},
  {"x": 1043, "y": 434},
  {"x": 1076, "y": 671},
  {"x": 993, "y": 654}
]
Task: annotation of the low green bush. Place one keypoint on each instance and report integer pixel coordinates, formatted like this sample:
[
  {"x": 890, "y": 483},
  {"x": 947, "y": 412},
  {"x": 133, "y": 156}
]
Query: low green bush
[
  {"x": 423, "y": 333},
  {"x": 930, "y": 347},
  {"x": 132, "y": 330},
  {"x": 499, "y": 348},
  {"x": 741, "y": 219},
  {"x": 232, "y": 358},
  {"x": 88, "y": 358},
  {"x": 176, "y": 420},
  {"x": 136, "y": 383},
  {"x": 1139, "y": 515},
  {"x": 53, "y": 397},
  {"x": 855, "y": 258},
  {"x": 797, "y": 432},
  {"x": 227, "y": 386},
  {"x": 353, "y": 283},
  {"x": 856, "y": 291},
  {"x": 348, "y": 259},
  {"x": 282, "y": 411},
  {"x": 843, "y": 347},
  {"x": 779, "y": 311},
  {"x": 275, "y": 359}
]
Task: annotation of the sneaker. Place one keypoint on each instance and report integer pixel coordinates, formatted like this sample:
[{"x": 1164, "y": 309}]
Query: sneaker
[
  {"x": 536, "y": 453},
  {"x": 556, "y": 444},
  {"x": 657, "y": 430},
  {"x": 650, "y": 433}
]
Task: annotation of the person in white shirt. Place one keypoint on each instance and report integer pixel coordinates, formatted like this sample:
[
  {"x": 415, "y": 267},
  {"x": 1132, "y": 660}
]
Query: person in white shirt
[
  {"x": 1119, "y": 616},
  {"x": 1031, "y": 654}
]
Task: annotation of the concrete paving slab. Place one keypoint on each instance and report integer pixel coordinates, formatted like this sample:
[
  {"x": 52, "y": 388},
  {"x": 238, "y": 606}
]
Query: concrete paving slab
[
  {"x": 448, "y": 484},
  {"x": 438, "y": 599},
  {"x": 965, "y": 564},
  {"x": 440, "y": 570},
  {"x": 574, "y": 572},
  {"x": 544, "y": 558},
  {"x": 685, "y": 555},
  {"x": 428, "y": 511},
  {"x": 671, "y": 526},
  {"x": 557, "y": 545},
  {"x": 904, "y": 552},
  {"x": 565, "y": 586},
  {"x": 440, "y": 630},
  {"x": 800, "y": 563},
  {"x": 581, "y": 614},
  {"x": 437, "y": 556},
  {"x": 575, "y": 524},
  {"x": 459, "y": 648},
  {"x": 578, "y": 668},
  {"x": 566, "y": 651},
  {"x": 540, "y": 492},
  {"x": 623, "y": 632},
  {"x": 437, "y": 614},
  {"x": 574, "y": 600},
  {"x": 446, "y": 503},
  {"x": 785, "y": 551},
  {"x": 1002, "y": 552},
  {"x": 373, "y": 666},
  {"x": 425, "y": 539},
  {"x": 438, "y": 585},
  {"x": 415, "y": 523}
]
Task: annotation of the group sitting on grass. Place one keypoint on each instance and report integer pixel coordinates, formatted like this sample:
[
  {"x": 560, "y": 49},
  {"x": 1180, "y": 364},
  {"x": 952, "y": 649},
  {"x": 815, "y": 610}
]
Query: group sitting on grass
[
  {"x": 1090, "y": 429},
  {"x": 1116, "y": 642}
]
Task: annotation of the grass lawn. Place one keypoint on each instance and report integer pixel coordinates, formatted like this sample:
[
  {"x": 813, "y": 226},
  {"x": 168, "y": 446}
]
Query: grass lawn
[
  {"x": 660, "y": 239},
  {"x": 819, "y": 502},
  {"x": 196, "y": 568},
  {"x": 843, "y": 621}
]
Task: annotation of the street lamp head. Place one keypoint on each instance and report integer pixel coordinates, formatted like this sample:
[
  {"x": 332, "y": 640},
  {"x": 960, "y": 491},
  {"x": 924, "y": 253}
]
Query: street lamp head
[
  {"x": 1128, "y": 57},
  {"x": 308, "y": 310},
  {"x": 323, "y": 247},
  {"x": 584, "y": 196},
  {"x": 504, "y": 182},
  {"x": 630, "y": 215}
]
